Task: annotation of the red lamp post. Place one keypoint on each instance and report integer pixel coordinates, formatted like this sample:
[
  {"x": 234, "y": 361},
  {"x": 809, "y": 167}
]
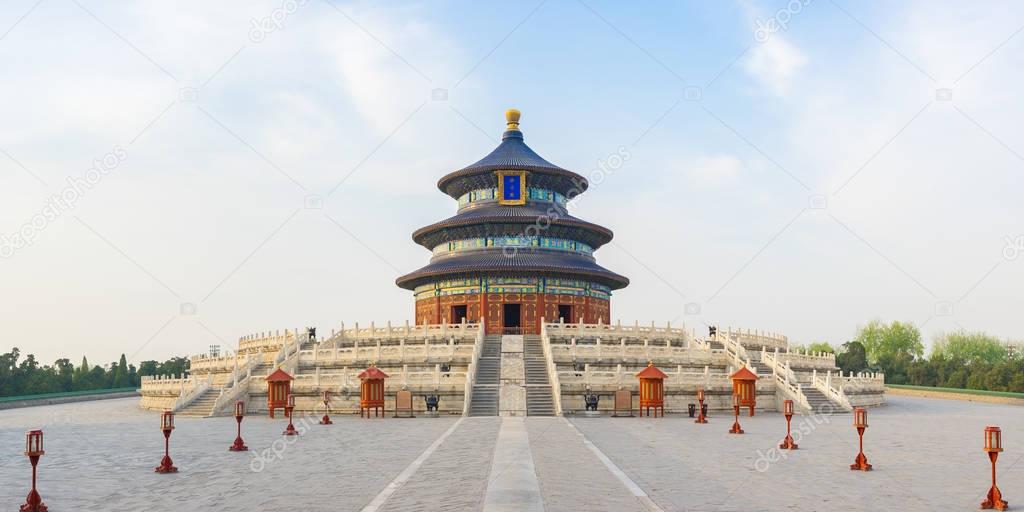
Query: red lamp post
[
  {"x": 700, "y": 399},
  {"x": 736, "y": 429},
  {"x": 860, "y": 422},
  {"x": 166, "y": 425},
  {"x": 787, "y": 409},
  {"x": 994, "y": 445},
  {"x": 239, "y": 445},
  {"x": 33, "y": 450},
  {"x": 288, "y": 409},
  {"x": 326, "y": 420}
]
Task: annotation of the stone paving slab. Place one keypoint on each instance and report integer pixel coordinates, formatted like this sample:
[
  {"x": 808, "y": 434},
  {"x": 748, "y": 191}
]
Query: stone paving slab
[
  {"x": 100, "y": 456},
  {"x": 571, "y": 476},
  {"x": 926, "y": 453},
  {"x": 454, "y": 477},
  {"x": 927, "y": 456}
]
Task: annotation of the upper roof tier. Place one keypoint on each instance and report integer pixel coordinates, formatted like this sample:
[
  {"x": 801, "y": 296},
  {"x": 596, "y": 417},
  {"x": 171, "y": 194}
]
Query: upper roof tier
[{"x": 512, "y": 154}]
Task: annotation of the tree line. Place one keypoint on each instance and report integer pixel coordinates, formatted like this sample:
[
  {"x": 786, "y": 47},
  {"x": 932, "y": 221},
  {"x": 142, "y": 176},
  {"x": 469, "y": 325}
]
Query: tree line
[
  {"x": 959, "y": 359},
  {"x": 26, "y": 376}
]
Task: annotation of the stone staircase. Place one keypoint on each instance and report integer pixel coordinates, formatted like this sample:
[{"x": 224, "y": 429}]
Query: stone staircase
[
  {"x": 820, "y": 403},
  {"x": 486, "y": 384},
  {"x": 202, "y": 406},
  {"x": 539, "y": 401}
]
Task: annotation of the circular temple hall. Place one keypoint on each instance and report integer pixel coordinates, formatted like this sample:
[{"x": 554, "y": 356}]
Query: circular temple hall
[{"x": 512, "y": 254}]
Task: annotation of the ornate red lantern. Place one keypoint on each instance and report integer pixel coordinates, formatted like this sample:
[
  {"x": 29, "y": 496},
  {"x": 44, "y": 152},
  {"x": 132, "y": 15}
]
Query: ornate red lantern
[
  {"x": 994, "y": 445},
  {"x": 736, "y": 429},
  {"x": 652, "y": 390},
  {"x": 326, "y": 420},
  {"x": 787, "y": 410},
  {"x": 700, "y": 398},
  {"x": 239, "y": 445},
  {"x": 34, "y": 450},
  {"x": 860, "y": 422},
  {"x": 288, "y": 410},
  {"x": 166, "y": 425}
]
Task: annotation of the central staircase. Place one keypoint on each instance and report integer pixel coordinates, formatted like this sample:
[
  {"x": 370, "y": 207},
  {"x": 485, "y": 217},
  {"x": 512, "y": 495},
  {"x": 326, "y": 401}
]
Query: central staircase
[
  {"x": 202, "y": 405},
  {"x": 486, "y": 384},
  {"x": 539, "y": 401},
  {"x": 820, "y": 403}
]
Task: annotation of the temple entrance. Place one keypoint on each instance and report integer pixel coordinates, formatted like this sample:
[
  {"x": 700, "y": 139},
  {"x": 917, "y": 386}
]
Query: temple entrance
[
  {"x": 458, "y": 314},
  {"x": 512, "y": 319},
  {"x": 565, "y": 313}
]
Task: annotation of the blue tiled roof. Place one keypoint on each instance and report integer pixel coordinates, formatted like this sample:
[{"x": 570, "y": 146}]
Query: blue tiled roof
[
  {"x": 498, "y": 261},
  {"x": 511, "y": 154}
]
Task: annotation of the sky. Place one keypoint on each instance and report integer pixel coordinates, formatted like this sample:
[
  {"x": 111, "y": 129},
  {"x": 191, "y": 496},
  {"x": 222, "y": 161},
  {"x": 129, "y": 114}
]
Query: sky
[{"x": 175, "y": 175}]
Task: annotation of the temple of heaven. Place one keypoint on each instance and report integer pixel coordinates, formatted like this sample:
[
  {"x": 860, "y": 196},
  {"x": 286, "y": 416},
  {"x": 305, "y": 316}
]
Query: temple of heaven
[{"x": 512, "y": 254}]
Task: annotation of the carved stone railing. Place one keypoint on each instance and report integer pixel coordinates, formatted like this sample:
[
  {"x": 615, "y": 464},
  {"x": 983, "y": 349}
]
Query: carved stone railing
[
  {"x": 552, "y": 369},
  {"x": 785, "y": 380},
  {"x": 755, "y": 339},
  {"x": 266, "y": 341},
  {"x": 471, "y": 370},
  {"x": 680, "y": 335},
  {"x": 563, "y": 352},
  {"x": 448, "y": 350},
  {"x": 199, "y": 387},
  {"x": 237, "y": 386},
  {"x": 836, "y": 395},
  {"x": 620, "y": 377},
  {"x": 345, "y": 336}
]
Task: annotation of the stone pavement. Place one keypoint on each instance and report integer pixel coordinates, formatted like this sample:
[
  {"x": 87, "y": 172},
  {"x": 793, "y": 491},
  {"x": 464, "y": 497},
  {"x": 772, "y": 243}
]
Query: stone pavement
[{"x": 927, "y": 456}]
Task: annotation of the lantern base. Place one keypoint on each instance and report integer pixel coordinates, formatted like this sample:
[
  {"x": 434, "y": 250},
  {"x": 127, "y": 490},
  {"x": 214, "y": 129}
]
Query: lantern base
[
  {"x": 326, "y": 420},
  {"x": 994, "y": 500},
  {"x": 788, "y": 444},
  {"x": 860, "y": 463},
  {"x": 290, "y": 431},
  {"x": 33, "y": 503},
  {"x": 238, "y": 446},
  {"x": 166, "y": 466},
  {"x": 736, "y": 428}
]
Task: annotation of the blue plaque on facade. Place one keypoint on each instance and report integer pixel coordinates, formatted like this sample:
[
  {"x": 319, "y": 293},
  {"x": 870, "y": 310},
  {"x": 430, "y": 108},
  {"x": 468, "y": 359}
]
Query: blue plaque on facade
[{"x": 511, "y": 190}]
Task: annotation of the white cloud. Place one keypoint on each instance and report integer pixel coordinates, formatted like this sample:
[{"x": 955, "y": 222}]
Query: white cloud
[{"x": 775, "y": 63}]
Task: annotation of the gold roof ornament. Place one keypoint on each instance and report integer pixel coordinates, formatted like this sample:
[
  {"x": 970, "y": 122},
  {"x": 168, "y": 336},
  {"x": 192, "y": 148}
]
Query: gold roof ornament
[{"x": 512, "y": 118}]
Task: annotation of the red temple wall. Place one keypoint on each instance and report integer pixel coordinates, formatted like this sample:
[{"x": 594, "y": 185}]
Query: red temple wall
[{"x": 533, "y": 307}]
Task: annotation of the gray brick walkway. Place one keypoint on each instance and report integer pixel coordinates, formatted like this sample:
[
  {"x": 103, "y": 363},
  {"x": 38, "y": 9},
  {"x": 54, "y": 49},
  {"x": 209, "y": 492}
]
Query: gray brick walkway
[
  {"x": 453, "y": 478},
  {"x": 571, "y": 476}
]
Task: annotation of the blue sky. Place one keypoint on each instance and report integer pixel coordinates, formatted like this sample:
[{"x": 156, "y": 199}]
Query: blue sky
[{"x": 271, "y": 174}]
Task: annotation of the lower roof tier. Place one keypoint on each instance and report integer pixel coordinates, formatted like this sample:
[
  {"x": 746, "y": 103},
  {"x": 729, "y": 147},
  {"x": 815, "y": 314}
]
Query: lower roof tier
[{"x": 515, "y": 263}]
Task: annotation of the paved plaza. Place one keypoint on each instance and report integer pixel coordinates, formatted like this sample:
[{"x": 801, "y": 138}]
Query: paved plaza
[{"x": 926, "y": 452}]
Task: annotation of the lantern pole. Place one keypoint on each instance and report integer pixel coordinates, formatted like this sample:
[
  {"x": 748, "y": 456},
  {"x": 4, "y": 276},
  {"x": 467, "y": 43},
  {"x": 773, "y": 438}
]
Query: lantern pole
[
  {"x": 860, "y": 421},
  {"x": 34, "y": 450},
  {"x": 994, "y": 445},
  {"x": 700, "y": 398},
  {"x": 326, "y": 420},
  {"x": 166, "y": 425},
  {"x": 288, "y": 410},
  {"x": 736, "y": 429},
  {"x": 787, "y": 443},
  {"x": 239, "y": 445}
]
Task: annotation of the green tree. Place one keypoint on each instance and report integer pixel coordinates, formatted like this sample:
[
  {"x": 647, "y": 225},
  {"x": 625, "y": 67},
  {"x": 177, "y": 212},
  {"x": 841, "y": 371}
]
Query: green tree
[
  {"x": 969, "y": 347},
  {"x": 852, "y": 358},
  {"x": 888, "y": 341},
  {"x": 821, "y": 346}
]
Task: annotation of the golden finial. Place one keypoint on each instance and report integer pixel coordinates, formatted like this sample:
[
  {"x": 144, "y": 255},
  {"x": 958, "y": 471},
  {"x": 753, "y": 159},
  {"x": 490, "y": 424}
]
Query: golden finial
[{"x": 512, "y": 118}]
